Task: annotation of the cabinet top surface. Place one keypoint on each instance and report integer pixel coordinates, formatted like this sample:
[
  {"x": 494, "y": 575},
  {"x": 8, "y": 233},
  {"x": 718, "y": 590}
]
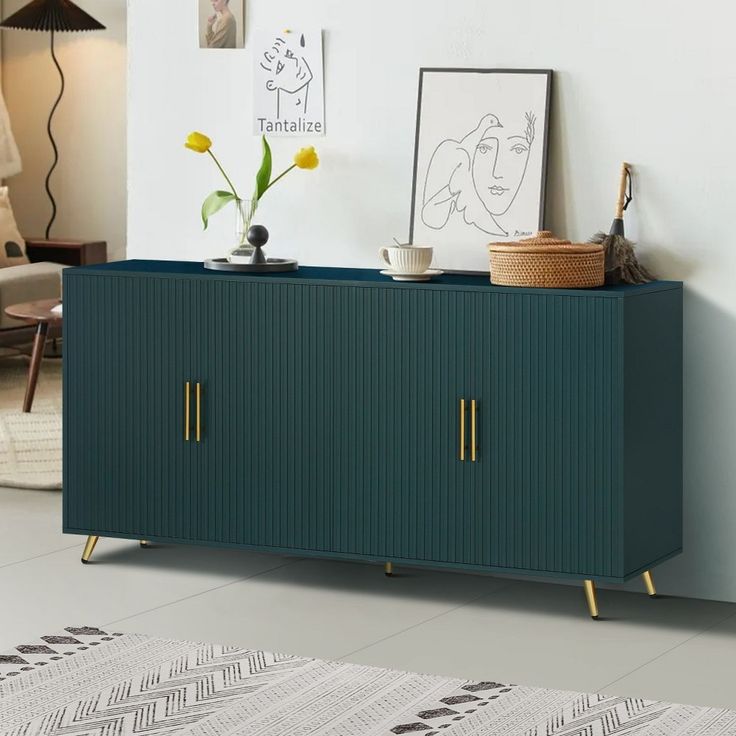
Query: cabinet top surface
[{"x": 350, "y": 276}]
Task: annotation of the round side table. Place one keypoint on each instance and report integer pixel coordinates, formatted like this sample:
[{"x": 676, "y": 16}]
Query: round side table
[{"x": 39, "y": 313}]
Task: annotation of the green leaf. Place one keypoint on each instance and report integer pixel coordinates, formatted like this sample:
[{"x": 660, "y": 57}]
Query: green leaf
[
  {"x": 263, "y": 177},
  {"x": 214, "y": 203}
]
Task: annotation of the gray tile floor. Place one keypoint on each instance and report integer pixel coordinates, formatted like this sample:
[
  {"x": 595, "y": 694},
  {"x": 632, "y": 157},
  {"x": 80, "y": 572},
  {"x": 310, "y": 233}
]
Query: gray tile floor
[{"x": 445, "y": 623}]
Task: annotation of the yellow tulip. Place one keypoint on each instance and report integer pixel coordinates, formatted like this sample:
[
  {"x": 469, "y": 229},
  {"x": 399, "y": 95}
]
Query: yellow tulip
[
  {"x": 198, "y": 142},
  {"x": 306, "y": 158}
]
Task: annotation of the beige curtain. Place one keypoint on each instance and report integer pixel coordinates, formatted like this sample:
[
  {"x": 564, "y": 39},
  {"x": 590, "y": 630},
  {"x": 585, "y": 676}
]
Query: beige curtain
[{"x": 10, "y": 163}]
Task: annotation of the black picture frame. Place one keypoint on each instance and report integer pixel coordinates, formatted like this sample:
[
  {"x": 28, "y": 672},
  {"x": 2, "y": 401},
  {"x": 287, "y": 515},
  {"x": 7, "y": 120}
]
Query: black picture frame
[{"x": 548, "y": 74}]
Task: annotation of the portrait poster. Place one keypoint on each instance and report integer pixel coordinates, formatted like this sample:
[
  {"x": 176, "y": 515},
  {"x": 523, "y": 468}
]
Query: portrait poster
[
  {"x": 288, "y": 83},
  {"x": 221, "y": 24},
  {"x": 480, "y": 161}
]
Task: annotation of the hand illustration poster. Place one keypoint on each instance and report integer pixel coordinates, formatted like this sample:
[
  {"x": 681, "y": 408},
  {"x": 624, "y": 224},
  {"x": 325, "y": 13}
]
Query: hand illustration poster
[
  {"x": 288, "y": 84},
  {"x": 480, "y": 161}
]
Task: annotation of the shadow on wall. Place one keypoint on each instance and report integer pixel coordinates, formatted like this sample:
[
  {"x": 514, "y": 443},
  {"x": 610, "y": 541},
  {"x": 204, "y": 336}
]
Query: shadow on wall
[
  {"x": 710, "y": 497},
  {"x": 558, "y": 191}
]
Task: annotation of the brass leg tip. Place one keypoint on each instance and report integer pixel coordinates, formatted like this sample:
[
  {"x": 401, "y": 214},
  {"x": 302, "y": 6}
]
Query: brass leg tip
[
  {"x": 591, "y": 598},
  {"x": 145, "y": 544},
  {"x": 649, "y": 584},
  {"x": 388, "y": 569},
  {"x": 89, "y": 548}
]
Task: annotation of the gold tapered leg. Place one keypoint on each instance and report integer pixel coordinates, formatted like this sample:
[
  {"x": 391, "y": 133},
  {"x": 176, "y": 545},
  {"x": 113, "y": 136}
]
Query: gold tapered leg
[
  {"x": 388, "y": 568},
  {"x": 145, "y": 543},
  {"x": 649, "y": 583},
  {"x": 591, "y": 598},
  {"x": 88, "y": 549}
]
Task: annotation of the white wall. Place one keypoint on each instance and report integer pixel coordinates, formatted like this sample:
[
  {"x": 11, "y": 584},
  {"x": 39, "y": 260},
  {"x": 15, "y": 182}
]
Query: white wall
[
  {"x": 650, "y": 82},
  {"x": 90, "y": 126}
]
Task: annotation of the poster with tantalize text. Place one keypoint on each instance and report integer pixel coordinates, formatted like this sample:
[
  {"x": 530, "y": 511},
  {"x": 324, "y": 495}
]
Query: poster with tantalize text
[{"x": 288, "y": 84}]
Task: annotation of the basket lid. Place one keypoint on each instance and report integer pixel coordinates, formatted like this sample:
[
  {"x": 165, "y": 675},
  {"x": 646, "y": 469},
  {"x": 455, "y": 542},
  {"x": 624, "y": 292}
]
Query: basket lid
[{"x": 544, "y": 242}]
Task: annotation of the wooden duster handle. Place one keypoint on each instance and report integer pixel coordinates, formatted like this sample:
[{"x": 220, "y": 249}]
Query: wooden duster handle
[{"x": 625, "y": 174}]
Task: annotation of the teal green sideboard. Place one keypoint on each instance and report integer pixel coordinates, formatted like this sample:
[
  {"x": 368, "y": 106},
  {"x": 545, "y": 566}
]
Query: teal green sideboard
[{"x": 335, "y": 413}]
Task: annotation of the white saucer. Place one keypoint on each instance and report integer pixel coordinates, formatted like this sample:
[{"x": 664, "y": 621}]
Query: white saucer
[{"x": 424, "y": 276}]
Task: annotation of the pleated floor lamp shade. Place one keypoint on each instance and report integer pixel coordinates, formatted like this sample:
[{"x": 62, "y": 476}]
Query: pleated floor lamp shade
[{"x": 52, "y": 15}]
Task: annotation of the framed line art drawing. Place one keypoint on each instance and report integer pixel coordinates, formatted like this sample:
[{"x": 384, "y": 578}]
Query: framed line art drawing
[
  {"x": 221, "y": 24},
  {"x": 480, "y": 161}
]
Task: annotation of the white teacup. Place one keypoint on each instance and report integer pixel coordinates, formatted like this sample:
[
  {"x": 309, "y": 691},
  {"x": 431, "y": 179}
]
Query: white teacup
[{"x": 408, "y": 258}]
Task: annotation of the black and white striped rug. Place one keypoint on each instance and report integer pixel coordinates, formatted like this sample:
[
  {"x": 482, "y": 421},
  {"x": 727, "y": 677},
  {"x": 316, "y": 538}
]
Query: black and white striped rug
[{"x": 87, "y": 682}]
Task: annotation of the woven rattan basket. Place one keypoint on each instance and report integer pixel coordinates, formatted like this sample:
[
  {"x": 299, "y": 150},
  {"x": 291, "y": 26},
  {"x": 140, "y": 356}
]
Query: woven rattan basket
[{"x": 546, "y": 262}]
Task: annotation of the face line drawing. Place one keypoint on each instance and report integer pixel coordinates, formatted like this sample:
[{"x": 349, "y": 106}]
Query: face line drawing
[
  {"x": 495, "y": 189},
  {"x": 485, "y": 178},
  {"x": 297, "y": 75}
]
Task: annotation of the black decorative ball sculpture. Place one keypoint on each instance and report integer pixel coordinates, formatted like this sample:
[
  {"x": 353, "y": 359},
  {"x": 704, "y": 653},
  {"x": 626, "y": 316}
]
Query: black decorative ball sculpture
[{"x": 258, "y": 237}]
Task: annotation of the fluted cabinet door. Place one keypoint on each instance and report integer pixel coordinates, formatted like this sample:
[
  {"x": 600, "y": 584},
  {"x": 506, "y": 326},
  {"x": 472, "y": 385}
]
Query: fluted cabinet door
[
  {"x": 401, "y": 492},
  {"x": 267, "y": 360},
  {"x": 548, "y": 378},
  {"x": 127, "y": 467}
]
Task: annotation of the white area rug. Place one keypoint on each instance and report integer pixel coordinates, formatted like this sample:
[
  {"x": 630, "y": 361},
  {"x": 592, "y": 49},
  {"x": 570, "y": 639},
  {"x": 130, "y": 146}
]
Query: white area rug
[
  {"x": 30, "y": 444},
  {"x": 88, "y": 682}
]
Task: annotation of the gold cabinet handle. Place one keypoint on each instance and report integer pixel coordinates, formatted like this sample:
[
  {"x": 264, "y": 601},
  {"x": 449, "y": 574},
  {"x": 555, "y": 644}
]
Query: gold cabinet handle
[
  {"x": 462, "y": 430},
  {"x": 199, "y": 412},
  {"x": 186, "y": 411},
  {"x": 473, "y": 431}
]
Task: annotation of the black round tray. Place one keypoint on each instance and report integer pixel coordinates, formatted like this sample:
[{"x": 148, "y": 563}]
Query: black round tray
[{"x": 272, "y": 265}]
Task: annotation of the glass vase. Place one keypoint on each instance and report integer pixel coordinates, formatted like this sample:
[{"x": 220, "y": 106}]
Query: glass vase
[{"x": 245, "y": 209}]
